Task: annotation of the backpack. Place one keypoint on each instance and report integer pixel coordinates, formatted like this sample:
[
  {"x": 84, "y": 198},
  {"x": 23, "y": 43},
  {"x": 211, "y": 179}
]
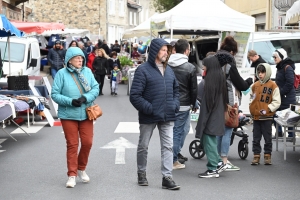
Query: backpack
[{"x": 296, "y": 78}]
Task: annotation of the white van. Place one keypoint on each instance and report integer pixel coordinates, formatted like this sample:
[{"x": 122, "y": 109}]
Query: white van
[
  {"x": 264, "y": 43},
  {"x": 25, "y": 57}
]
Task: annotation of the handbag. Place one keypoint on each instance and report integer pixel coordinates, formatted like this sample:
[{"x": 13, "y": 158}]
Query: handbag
[
  {"x": 93, "y": 112},
  {"x": 232, "y": 116}
]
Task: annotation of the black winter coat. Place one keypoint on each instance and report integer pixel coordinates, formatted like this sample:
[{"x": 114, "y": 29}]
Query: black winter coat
[
  {"x": 285, "y": 82},
  {"x": 155, "y": 96},
  {"x": 100, "y": 65}
]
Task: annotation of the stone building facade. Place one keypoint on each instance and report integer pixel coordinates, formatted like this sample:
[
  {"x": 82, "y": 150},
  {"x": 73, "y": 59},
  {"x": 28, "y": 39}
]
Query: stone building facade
[
  {"x": 84, "y": 14},
  {"x": 15, "y": 9}
]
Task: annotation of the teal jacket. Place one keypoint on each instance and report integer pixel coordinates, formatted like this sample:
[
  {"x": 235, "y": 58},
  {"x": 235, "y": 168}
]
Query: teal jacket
[{"x": 64, "y": 89}]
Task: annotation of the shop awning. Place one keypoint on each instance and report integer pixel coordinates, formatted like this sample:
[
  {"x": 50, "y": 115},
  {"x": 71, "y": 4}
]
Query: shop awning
[{"x": 37, "y": 27}]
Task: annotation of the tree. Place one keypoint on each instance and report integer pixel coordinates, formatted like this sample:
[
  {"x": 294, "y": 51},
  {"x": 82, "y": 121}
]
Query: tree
[{"x": 164, "y": 5}]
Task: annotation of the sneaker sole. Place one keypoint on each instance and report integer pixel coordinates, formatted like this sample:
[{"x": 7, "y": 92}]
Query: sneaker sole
[
  {"x": 254, "y": 163},
  {"x": 214, "y": 176},
  {"x": 268, "y": 163},
  {"x": 174, "y": 188},
  {"x": 179, "y": 167},
  {"x": 70, "y": 186},
  {"x": 143, "y": 184},
  {"x": 232, "y": 170}
]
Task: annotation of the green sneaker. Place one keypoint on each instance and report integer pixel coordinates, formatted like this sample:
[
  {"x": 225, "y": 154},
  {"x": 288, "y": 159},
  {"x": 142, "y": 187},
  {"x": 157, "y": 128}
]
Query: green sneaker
[{"x": 231, "y": 167}]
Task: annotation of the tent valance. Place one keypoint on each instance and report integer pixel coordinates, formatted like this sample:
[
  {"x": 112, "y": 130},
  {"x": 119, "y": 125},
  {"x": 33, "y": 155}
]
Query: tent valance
[{"x": 37, "y": 27}]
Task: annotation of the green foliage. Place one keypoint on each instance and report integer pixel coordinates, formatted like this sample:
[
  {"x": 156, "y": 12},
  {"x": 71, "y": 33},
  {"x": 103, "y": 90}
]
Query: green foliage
[
  {"x": 124, "y": 60},
  {"x": 164, "y": 5}
]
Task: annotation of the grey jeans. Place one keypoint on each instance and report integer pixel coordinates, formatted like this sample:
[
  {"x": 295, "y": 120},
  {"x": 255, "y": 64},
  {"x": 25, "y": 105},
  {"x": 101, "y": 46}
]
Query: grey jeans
[{"x": 166, "y": 143}]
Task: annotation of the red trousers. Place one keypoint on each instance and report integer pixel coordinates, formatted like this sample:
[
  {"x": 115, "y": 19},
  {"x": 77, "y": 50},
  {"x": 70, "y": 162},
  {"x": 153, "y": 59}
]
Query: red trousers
[{"x": 73, "y": 131}]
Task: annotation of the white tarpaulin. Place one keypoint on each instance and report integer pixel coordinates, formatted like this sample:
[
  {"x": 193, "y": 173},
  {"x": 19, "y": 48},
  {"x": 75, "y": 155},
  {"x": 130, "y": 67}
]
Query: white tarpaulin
[
  {"x": 293, "y": 12},
  {"x": 67, "y": 31},
  {"x": 141, "y": 30},
  {"x": 205, "y": 15}
]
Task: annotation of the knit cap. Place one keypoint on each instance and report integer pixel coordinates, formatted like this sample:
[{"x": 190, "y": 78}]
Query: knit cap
[{"x": 280, "y": 53}]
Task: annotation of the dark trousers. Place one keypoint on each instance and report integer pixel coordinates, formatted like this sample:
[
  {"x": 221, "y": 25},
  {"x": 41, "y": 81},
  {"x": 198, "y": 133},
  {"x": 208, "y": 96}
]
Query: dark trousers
[
  {"x": 100, "y": 80},
  {"x": 262, "y": 128}
]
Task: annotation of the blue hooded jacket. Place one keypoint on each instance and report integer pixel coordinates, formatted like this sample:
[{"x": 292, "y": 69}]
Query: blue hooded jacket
[
  {"x": 64, "y": 89},
  {"x": 155, "y": 96}
]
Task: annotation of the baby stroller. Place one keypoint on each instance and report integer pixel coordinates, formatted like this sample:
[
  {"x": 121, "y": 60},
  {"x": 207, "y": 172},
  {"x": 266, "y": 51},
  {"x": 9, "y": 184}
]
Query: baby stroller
[{"x": 196, "y": 149}]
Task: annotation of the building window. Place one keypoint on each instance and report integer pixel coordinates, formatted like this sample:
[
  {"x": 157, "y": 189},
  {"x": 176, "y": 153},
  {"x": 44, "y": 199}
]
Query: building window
[
  {"x": 130, "y": 18},
  {"x": 112, "y": 7},
  {"x": 134, "y": 18},
  {"x": 121, "y": 8},
  {"x": 120, "y": 33},
  {"x": 111, "y": 34}
]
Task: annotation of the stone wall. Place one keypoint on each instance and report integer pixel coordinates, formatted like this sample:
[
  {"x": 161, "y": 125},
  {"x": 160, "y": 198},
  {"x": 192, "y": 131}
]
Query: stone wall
[{"x": 83, "y": 14}]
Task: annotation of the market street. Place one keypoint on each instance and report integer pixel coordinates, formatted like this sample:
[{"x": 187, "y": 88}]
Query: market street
[{"x": 35, "y": 167}]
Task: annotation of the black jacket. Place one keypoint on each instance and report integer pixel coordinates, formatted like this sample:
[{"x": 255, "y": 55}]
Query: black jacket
[
  {"x": 238, "y": 82},
  {"x": 186, "y": 77},
  {"x": 285, "y": 82},
  {"x": 100, "y": 65},
  {"x": 256, "y": 63}
]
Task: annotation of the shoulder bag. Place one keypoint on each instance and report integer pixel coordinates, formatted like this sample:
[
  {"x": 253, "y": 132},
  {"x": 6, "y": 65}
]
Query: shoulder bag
[
  {"x": 231, "y": 113},
  {"x": 93, "y": 112}
]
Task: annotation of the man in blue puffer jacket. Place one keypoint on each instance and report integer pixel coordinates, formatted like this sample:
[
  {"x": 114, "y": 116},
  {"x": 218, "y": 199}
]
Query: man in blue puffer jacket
[{"x": 155, "y": 94}]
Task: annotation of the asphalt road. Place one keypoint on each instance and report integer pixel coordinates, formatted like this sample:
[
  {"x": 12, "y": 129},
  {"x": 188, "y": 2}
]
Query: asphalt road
[{"x": 34, "y": 168}]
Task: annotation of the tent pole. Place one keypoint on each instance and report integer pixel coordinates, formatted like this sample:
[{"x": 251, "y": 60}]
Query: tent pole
[
  {"x": 252, "y": 41},
  {"x": 8, "y": 41},
  {"x": 171, "y": 38}
]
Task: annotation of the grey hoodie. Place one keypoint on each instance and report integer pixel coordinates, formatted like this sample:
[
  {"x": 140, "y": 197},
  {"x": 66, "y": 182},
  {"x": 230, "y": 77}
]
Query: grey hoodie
[{"x": 177, "y": 59}]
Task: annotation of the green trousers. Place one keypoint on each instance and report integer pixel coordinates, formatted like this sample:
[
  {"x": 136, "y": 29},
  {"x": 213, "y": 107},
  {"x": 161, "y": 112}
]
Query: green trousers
[{"x": 209, "y": 143}]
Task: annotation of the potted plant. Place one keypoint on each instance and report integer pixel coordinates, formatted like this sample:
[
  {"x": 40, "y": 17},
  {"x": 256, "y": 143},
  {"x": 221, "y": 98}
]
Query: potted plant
[{"x": 126, "y": 63}]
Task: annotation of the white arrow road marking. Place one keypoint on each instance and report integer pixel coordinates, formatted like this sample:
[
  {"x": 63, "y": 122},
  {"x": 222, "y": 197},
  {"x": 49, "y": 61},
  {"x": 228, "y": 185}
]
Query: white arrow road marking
[
  {"x": 134, "y": 127},
  {"x": 1, "y": 141},
  {"x": 120, "y": 145}
]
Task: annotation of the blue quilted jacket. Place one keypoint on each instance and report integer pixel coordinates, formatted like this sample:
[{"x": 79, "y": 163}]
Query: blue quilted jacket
[
  {"x": 155, "y": 96},
  {"x": 64, "y": 89}
]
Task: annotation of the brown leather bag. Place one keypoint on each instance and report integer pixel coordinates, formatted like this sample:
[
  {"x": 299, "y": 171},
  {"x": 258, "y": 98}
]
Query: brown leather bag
[
  {"x": 93, "y": 112},
  {"x": 232, "y": 116}
]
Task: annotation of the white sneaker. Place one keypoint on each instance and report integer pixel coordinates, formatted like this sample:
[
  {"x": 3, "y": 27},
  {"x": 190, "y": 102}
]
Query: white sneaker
[
  {"x": 71, "y": 182},
  {"x": 84, "y": 177},
  {"x": 178, "y": 165}
]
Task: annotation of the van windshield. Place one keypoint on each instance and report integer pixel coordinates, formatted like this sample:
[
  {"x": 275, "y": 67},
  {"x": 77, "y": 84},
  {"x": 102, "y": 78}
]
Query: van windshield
[
  {"x": 266, "y": 48},
  {"x": 17, "y": 51}
]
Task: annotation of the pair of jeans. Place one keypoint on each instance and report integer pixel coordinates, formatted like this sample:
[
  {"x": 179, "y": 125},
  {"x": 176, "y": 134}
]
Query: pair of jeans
[
  {"x": 224, "y": 142},
  {"x": 114, "y": 86},
  {"x": 209, "y": 143},
  {"x": 53, "y": 72},
  {"x": 166, "y": 144},
  {"x": 290, "y": 134},
  {"x": 180, "y": 131},
  {"x": 262, "y": 128},
  {"x": 74, "y": 130}
]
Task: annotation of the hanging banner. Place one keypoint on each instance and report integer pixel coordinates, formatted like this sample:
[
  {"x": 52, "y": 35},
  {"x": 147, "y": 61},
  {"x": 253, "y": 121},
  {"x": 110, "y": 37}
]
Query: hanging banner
[{"x": 158, "y": 27}]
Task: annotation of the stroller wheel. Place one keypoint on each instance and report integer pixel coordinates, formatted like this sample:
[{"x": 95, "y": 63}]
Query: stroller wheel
[
  {"x": 243, "y": 149},
  {"x": 196, "y": 149}
]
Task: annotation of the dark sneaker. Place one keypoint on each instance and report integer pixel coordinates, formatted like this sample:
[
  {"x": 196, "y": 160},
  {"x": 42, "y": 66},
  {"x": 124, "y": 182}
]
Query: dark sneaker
[
  {"x": 101, "y": 93},
  {"x": 116, "y": 94},
  {"x": 182, "y": 157},
  {"x": 142, "y": 180},
  {"x": 209, "y": 174},
  {"x": 222, "y": 167},
  {"x": 181, "y": 161},
  {"x": 168, "y": 183},
  {"x": 111, "y": 93}
]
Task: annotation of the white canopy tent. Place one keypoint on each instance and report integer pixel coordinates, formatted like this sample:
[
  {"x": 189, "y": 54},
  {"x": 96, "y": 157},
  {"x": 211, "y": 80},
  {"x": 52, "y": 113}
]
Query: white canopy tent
[
  {"x": 141, "y": 30},
  {"x": 200, "y": 15},
  {"x": 293, "y": 14},
  {"x": 67, "y": 31}
]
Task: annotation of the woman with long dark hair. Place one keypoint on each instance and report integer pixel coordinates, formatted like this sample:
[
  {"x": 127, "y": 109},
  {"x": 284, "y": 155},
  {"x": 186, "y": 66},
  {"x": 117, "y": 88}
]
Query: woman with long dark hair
[
  {"x": 73, "y": 43},
  {"x": 212, "y": 118},
  {"x": 235, "y": 84}
]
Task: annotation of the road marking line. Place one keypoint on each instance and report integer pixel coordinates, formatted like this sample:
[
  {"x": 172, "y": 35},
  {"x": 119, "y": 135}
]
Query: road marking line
[{"x": 37, "y": 126}]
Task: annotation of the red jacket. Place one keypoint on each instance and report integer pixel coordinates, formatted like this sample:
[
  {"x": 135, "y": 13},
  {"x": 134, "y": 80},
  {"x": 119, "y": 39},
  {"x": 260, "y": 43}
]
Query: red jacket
[{"x": 91, "y": 60}]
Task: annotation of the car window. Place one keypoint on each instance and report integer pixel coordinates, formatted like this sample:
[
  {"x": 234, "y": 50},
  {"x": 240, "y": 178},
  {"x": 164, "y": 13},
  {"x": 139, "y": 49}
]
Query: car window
[{"x": 16, "y": 52}]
